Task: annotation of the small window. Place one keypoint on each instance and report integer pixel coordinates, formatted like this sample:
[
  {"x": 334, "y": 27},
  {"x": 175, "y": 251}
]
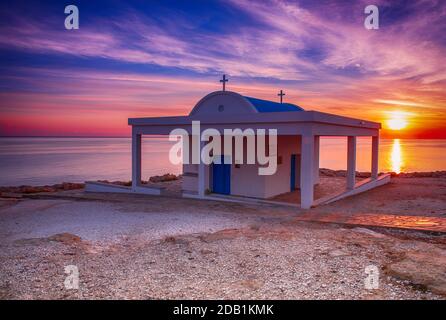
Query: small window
[{"x": 221, "y": 108}]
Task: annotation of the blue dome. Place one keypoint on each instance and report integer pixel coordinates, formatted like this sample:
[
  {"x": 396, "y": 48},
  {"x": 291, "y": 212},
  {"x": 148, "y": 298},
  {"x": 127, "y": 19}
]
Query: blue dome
[{"x": 271, "y": 106}]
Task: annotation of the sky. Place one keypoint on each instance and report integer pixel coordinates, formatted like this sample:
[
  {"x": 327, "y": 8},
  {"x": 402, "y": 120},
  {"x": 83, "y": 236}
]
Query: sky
[{"x": 158, "y": 58}]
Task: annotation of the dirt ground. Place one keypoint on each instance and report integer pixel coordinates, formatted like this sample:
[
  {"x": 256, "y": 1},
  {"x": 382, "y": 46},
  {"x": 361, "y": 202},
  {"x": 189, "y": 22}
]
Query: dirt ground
[
  {"x": 402, "y": 196},
  {"x": 148, "y": 247}
]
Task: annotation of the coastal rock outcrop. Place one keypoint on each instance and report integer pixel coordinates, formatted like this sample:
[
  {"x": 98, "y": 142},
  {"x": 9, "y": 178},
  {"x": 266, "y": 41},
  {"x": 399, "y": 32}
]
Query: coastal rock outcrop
[
  {"x": 343, "y": 173},
  {"x": 426, "y": 270},
  {"x": 47, "y": 188},
  {"x": 163, "y": 178}
]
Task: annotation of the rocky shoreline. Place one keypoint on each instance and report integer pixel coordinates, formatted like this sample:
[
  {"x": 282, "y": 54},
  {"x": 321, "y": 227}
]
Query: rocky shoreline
[
  {"x": 64, "y": 186},
  {"x": 4, "y": 191},
  {"x": 342, "y": 173}
]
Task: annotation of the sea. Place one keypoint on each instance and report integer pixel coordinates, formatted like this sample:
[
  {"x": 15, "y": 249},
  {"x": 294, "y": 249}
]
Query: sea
[{"x": 43, "y": 160}]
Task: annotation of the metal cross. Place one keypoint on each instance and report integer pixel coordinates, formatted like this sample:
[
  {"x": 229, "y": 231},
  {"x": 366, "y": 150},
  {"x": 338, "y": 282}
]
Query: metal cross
[
  {"x": 224, "y": 80},
  {"x": 281, "y": 94}
]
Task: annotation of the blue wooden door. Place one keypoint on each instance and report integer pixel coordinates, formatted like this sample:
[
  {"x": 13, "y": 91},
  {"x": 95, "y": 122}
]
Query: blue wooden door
[
  {"x": 293, "y": 173},
  {"x": 221, "y": 177}
]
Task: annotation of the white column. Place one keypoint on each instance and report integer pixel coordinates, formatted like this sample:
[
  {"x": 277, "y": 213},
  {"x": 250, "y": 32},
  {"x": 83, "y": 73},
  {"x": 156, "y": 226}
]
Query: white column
[
  {"x": 351, "y": 162},
  {"x": 307, "y": 171},
  {"x": 136, "y": 160},
  {"x": 316, "y": 159},
  {"x": 375, "y": 156},
  {"x": 203, "y": 176}
]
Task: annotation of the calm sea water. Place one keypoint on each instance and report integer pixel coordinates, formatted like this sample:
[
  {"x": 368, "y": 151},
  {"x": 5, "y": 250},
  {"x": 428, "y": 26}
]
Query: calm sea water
[{"x": 37, "y": 161}]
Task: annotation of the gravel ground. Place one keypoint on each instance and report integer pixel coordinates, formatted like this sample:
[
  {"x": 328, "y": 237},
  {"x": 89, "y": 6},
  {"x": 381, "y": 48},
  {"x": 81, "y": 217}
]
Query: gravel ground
[
  {"x": 160, "y": 248},
  {"x": 105, "y": 222}
]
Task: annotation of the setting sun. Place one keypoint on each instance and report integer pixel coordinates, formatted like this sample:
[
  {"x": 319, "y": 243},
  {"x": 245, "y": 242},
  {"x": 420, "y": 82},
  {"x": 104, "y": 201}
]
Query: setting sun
[
  {"x": 397, "y": 124},
  {"x": 397, "y": 120}
]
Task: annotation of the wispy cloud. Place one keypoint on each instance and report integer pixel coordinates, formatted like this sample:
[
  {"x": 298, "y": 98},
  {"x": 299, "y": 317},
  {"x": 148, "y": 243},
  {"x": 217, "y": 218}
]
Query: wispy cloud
[
  {"x": 160, "y": 64},
  {"x": 276, "y": 47}
]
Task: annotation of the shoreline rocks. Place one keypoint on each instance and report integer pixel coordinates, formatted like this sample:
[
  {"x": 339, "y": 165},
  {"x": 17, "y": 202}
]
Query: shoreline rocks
[
  {"x": 64, "y": 186},
  {"x": 154, "y": 179},
  {"x": 343, "y": 173},
  {"x": 163, "y": 178},
  {"x": 10, "y": 191}
]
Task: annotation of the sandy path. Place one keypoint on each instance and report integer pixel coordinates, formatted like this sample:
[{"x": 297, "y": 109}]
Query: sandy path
[{"x": 105, "y": 222}]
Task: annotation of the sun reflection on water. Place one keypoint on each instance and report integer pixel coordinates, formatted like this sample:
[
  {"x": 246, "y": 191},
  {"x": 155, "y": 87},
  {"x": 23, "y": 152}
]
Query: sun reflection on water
[{"x": 396, "y": 156}]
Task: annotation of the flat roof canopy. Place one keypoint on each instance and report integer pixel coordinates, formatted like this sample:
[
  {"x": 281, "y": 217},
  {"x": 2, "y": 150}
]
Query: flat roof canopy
[
  {"x": 287, "y": 123},
  {"x": 282, "y": 117}
]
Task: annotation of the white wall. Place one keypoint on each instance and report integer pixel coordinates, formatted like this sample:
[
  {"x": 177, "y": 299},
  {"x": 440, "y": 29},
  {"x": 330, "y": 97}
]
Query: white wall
[
  {"x": 280, "y": 182},
  {"x": 245, "y": 181}
]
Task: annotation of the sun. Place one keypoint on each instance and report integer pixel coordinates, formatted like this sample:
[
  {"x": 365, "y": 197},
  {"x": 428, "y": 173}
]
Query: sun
[
  {"x": 397, "y": 121},
  {"x": 397, "y": 124}
]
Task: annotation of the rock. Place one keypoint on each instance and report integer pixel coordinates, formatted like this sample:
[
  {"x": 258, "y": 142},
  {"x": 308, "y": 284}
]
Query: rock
[
  {"x": 423, "y": 269},
  {"x": 225, "y": 234},
  {"x": 122, "y": 183},
  {"x": 65, "y": 238},
  {"x": 28, "y": 189},
  {"x": 428, "y": 174},
  {"x": 48, "y": 189},
  {"x": 71, "y": 186},
  {"x": 38, "y": 189},
  {"x": 369, "y": 232},
  {"x": 327, "y": 172},
  {"x": 439, "y": 174},
  {"x": 252, "y": 284},
  {"x": 163, "y": 178},
  {"x": 176, "y": 240},
  {"x": 363, "y": 174},
  {"x": 10, "y": 195},
  {"x": 338, "y": 253},
  {"x": 342, "y": 173}
]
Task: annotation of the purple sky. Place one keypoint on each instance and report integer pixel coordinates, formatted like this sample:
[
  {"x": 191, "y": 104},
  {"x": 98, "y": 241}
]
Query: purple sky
[{"x": 142, "y": 58}]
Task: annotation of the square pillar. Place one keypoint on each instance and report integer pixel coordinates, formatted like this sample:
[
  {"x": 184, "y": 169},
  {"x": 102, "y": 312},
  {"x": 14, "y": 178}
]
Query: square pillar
[
  {"x": 316, "y": 159},
  {"x": 136, "y": 160},
  {"x": 307, "y": 172},
  {"x": 375, "y": 156},
  {"x": 203, "y": 174},
  {"x": 351, "y": 162}
]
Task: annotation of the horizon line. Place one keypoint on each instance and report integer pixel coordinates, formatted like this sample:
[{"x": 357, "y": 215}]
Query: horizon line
[{"x": 111, "y": 137}]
